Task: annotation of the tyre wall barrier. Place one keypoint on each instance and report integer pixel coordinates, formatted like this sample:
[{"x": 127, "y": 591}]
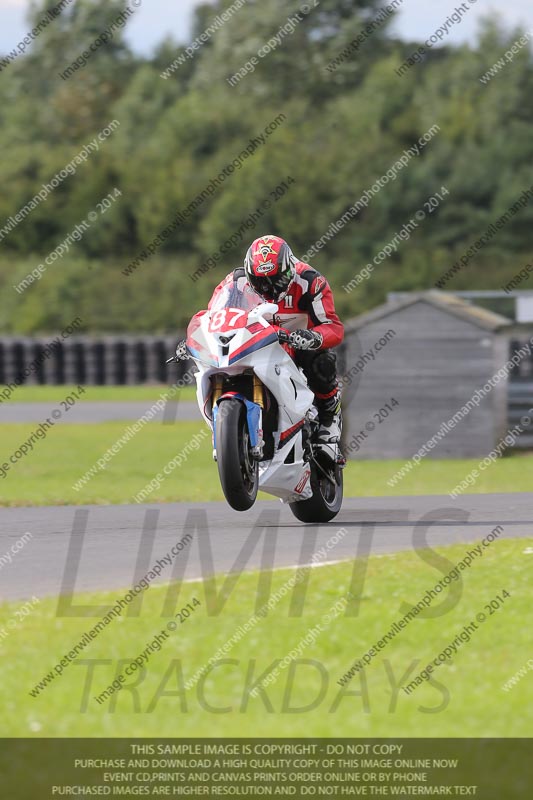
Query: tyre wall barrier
[{"x": 102, "y": 360}]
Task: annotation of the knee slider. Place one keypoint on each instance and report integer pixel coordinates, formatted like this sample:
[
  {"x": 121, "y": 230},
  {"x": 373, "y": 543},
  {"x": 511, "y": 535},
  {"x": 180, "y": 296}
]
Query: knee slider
[{"x": 324, "y": 366}]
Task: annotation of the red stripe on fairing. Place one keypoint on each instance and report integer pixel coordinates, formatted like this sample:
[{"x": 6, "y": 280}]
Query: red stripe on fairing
[
  {"x": 286, "y": 435},
  {"x": 261, "y": 340}
]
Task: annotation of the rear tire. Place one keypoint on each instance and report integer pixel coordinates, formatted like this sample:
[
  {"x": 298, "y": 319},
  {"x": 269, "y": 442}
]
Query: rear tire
[
  {"x": 326, "y": 501},
  {"x": 238, "y": 471}
]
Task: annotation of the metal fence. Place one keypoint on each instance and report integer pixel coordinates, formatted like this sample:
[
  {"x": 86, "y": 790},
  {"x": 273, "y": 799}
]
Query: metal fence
[{"x": 521, "y": 394}]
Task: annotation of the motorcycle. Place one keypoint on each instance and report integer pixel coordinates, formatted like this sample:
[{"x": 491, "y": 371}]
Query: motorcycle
[{"x": 260, "y": 409}]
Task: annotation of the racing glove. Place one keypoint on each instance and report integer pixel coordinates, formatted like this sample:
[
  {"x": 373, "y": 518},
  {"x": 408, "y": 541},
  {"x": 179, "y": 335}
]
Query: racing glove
[
  {"x": 182, "y": 353},
  {"x": 305, "y": 340}
]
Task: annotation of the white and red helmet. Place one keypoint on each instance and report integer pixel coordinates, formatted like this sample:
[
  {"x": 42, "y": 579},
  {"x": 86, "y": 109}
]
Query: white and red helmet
[{"x": 270, "y": 267}]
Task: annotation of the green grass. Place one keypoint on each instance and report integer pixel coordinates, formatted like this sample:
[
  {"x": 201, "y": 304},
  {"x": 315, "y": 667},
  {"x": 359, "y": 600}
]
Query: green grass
[
  {"x": 465, "y": 699},
  {"x": 46, "y": 475},
  {"x": 54, "y": 394}
]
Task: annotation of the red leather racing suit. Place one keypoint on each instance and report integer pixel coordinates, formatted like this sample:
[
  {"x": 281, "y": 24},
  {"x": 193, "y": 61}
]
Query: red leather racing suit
[{"x": 308, "y": 304}]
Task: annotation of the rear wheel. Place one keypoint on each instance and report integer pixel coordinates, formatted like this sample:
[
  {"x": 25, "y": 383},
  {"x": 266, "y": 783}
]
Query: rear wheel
[
  {"x": 238, "y": 471},
  {"x": 327, "y": 486}
]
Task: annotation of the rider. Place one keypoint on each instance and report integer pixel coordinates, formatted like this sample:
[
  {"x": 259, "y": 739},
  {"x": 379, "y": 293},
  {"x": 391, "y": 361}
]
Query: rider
[{"x": 307, "y": 311}]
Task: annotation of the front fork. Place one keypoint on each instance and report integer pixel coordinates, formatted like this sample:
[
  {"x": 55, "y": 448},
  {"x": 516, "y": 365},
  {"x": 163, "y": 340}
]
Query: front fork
[
  {"x": 218, "y": 383},
  {"x": 254, "y": 413},
  {"x": 259, "y": 401},
  {"x": 258, "y": 394}
]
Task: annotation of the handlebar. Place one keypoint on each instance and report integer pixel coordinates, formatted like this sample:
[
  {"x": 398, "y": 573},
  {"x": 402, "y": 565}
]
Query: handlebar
[{"x": 283, "y": 335}]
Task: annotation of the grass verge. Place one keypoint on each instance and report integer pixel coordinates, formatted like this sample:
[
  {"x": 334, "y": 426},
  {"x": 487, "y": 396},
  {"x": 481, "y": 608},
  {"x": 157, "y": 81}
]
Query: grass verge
[
  {"x": 47, "y": 474},
  {"x": 116, "y": 394},
  {"x": 464, "y": 698}
]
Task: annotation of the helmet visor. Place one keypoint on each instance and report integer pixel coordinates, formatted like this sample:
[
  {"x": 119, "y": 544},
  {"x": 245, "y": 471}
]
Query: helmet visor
[{"x": 271, "y": 288}]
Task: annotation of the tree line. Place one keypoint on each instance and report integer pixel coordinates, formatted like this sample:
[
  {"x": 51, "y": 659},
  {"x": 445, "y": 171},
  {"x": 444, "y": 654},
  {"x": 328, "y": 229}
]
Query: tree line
[{"x": 169, "y": 168}]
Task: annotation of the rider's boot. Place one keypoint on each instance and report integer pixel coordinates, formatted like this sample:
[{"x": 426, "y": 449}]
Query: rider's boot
[{"x": 330, "y": 419}]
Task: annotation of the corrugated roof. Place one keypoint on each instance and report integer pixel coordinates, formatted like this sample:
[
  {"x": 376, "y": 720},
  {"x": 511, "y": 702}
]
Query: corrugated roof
[{"x": 444, "y": 301}]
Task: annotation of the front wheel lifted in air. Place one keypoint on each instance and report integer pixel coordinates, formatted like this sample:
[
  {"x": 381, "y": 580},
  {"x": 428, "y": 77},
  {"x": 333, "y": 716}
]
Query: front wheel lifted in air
[{"x": 238, "y": 470}]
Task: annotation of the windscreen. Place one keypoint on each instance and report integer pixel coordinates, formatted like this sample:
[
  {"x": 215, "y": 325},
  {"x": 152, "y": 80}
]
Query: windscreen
[{"x": 232, "y": 297}]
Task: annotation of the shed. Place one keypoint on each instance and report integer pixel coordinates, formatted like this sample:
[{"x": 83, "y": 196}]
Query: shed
[{"x": 416, "y": 370}]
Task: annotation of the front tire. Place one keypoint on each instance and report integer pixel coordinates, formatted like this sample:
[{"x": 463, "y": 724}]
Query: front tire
[
  {"x": 237, "y": 469},
  {"x": 326, "y": 501}
]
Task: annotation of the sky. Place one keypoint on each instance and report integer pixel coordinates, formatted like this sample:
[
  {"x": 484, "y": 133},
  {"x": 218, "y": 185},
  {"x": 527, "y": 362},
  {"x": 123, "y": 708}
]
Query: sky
[{"x": 155, "y": 19}]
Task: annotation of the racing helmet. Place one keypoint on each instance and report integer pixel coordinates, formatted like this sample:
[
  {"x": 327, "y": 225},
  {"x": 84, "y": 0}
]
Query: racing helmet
[{"x": 270, "y": 267}]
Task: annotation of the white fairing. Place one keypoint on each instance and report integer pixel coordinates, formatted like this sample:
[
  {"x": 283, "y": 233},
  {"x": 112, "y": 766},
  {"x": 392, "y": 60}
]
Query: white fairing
[{"x": 261, "y": 352}]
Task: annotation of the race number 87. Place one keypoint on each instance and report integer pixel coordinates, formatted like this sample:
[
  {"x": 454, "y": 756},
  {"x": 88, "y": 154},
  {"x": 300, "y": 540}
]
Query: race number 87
[{"x": 227, "y": 318}]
